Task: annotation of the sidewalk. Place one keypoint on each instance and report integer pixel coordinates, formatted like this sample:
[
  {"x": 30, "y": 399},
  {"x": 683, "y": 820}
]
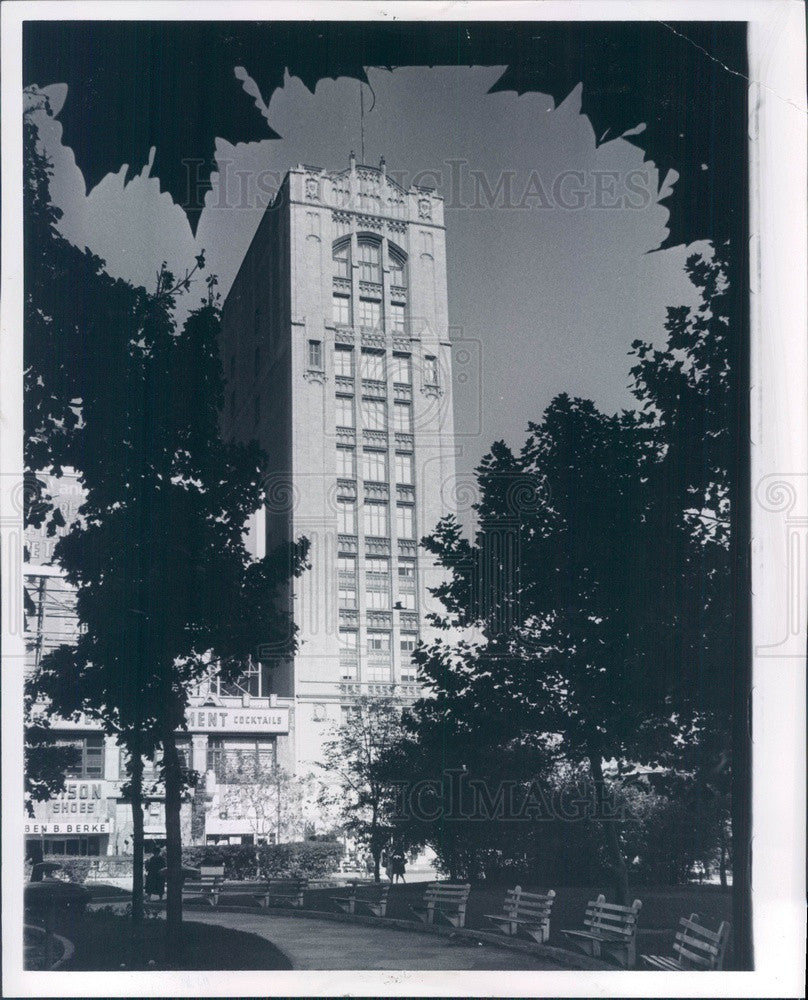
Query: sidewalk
[{"x": 324, "y": 944}]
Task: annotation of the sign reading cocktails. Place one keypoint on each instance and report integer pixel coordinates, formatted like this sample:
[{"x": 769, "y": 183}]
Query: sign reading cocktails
[{"x": 238, "y": 720}]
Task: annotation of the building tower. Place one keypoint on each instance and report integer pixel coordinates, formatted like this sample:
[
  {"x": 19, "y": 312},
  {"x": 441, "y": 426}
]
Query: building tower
[{"x": 336, "y": 355}]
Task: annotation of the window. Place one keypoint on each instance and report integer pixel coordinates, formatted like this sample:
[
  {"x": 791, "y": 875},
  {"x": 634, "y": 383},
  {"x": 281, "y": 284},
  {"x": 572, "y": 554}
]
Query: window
[
  {"x": 402, "y": 418},
  {"x": 405, "y": 521},
  {"x": 89, "y": 761},
  {"x": 374, "y": 466},
  {"x": 408, "y": 642},
  {"x": 316, "y": 355},
  {"x": 347, "y": 598},
  {"x": 402, "y": 371},
  {"x": 430, "y": 370},
  {"x": 377, "y": 580},
  {"x": 404, "y": 470},
  {"x": 374, "y": 415},
  {"x": 378, "y": 666},
  {"x": 379, "y": 644},
  {"x": 406, "y": 600},
  {"x": 347, "y": 641},
  {"x": 240, "y": 760},
  {"x": 406, "y": 571},
  {"x": 348, "y": 659},
  {"x": 373, "y": 365},
  {"x": 407, "y": 646},
  {"x": 345, "y": 411},
  {"x": 346, "y": 566},
  {"x": 346, "y": 517},
  {"x": 341, "y": 309},
  {"x": 369, "y": 265},
  {"x": 370, "y": 313},
  {"x": 397, "y": 271},
  {"x": 342, "y": 262},
  {"x": 397, "y": 317},
  {"x": 343, "y": 362},
  {"x": 255, "y": 681},
  {"x": 376, "y": 519},
  {"x": 377, "y": 600},
  {"x": 346, "y": 465}
]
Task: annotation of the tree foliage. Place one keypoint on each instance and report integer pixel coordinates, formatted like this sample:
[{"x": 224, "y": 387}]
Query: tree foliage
[
  {"x": 594, "y": 595},
  {"x": 165, "y": 585},
  {"x": 356, "y": 759}
]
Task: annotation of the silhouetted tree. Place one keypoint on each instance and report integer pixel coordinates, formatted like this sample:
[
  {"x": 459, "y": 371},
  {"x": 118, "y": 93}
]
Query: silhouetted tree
[{"x": 563, "y": 585}]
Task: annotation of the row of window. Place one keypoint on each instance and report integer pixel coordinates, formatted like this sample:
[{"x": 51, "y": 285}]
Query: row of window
[
  {"x": 368, "y": 313},
  {"x": 373, "y": 365},
  {"x": 378, "y": 646},
  {"x": 375, "y": 518},
  {"x": 370, "y": 264},
  {"x": 374, "y": 466},
  {"x": 374, "y": 414}
]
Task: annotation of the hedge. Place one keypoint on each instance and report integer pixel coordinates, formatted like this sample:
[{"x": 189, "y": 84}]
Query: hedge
[{"x": 304, "y": 859}]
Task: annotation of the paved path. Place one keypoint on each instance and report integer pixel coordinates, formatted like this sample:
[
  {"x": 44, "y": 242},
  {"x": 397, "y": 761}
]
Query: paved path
[{"x": 326, "y": 944}]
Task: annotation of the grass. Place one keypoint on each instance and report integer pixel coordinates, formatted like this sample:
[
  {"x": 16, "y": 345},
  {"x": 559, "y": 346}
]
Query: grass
[{"x": 102, "y": 943}]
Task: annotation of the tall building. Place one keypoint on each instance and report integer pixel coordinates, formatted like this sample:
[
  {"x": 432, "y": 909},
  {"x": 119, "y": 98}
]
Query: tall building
[{"x": 336, "y": 353}]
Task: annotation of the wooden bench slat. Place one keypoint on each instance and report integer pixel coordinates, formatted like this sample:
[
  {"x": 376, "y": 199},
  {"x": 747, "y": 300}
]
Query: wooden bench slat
[
  {"x": 694, "y": 942},
  {"x": 701, "y": 931},
  {"x": 661, "y": 962}
]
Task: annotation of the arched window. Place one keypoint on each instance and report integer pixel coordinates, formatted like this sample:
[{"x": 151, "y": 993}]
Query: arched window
[
  {"x": 398, "y": 269},
  {"x": 369, "y": 262},
  {"x": 342, "y": 261}
]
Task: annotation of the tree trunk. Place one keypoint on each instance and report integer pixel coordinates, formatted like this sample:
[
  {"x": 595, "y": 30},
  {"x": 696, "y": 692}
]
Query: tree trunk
[
  {"x": 136, "y": 796},
  {"x": 609, "y": 825},
  {"x": 172, "y": 776},
  {"x": 722, "y": 864}
]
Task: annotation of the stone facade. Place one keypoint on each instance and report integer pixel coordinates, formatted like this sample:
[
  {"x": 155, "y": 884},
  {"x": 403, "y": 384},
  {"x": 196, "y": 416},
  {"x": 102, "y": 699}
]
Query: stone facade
[{"x": 336, "y": 349}]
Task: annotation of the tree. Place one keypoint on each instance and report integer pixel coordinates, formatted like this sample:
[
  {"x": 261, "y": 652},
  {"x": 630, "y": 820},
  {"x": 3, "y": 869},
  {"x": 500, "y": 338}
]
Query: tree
[
  {"x": 262, "y": 793},
  {"x": 165, "y": 584},
  {"x": 692, "y": 393},
  {"x": 357, "y": 756},
  {"x": 45, "y": 761},
  {"x": 564, "y": 583},
  {"x": 73, "y": 310}
]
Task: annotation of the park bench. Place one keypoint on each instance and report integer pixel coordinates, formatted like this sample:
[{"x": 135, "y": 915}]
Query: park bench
[
  {"x": 696, "y": 947},
  {"x": 267, "y": 891},
  {"x": 206, "y": 886},
  {"x": 373, "y": 896},
  {"x": 610, "y": 928},
  {"x": 446, "y": 900},
  {"x": 526, "y": 911},
  {"x": 282, "y": 891}
]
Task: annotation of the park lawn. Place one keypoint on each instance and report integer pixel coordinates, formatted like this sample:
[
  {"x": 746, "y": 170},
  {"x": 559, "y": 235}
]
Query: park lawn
[{"x": 102, "y": 943}]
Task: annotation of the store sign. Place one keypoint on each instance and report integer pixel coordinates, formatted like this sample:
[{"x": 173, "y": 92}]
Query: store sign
[
  {"x": 66, "y": 829},
  {"x": 78, "y": 798},
  {"x": 238, "y": 720}
]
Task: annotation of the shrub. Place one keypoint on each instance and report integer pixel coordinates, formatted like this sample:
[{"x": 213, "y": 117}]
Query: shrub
[
  {"x": 73, "y": 869},
  {"x": 304, "y": 859}
]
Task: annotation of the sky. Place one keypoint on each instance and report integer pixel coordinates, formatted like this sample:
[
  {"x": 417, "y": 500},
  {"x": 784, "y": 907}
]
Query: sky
[{"x": 550, "y": 278}]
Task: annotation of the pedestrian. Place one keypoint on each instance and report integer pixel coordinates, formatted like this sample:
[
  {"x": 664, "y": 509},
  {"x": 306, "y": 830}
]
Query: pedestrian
[
  {"x": 387, "y": 863},
  {"x": 155, "y": 879},
  {"x": 397, "y": 863}
]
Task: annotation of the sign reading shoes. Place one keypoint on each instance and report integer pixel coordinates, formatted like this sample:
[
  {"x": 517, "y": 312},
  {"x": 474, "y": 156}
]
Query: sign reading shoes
[{"x": 238, "y": 720}]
